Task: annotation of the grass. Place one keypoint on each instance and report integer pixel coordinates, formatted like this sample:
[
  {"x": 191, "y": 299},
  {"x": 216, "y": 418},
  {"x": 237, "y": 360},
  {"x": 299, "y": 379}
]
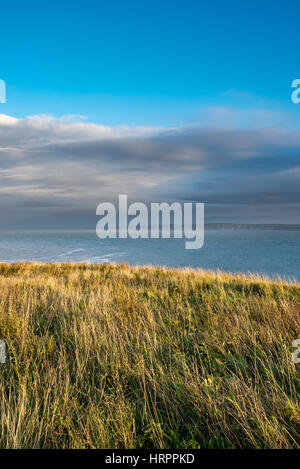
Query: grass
[{"x": 119, "y": 357}]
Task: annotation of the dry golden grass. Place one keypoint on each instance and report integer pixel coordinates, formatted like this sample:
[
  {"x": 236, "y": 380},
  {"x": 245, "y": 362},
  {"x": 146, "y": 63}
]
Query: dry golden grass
[{"x": 120, "y": 357}]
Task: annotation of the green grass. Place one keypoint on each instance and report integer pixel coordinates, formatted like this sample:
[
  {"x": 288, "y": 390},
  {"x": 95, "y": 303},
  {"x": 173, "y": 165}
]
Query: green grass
[{"x": 119, "y": 357}]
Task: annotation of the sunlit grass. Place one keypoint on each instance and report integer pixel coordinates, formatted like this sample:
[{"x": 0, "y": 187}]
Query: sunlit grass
[{"x": 121, "y": 357}]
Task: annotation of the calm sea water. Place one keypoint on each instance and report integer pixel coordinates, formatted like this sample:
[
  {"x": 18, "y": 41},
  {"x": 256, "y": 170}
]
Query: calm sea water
[{"x": 268, "y": 252}]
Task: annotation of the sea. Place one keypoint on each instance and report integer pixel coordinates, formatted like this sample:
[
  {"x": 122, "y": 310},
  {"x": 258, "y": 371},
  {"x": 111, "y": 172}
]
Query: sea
[{"x": 275, "y": 253}]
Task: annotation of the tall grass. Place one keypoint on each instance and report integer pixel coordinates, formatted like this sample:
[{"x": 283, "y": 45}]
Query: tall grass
[{"x": 121, "y": 357}]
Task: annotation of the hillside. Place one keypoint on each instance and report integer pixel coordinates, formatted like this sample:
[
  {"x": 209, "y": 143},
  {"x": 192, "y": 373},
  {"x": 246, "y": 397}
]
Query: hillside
[{"x": 112, "y": 356}]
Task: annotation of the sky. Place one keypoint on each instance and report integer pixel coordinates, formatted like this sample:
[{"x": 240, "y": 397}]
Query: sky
[{"x": 162, "y": 100}]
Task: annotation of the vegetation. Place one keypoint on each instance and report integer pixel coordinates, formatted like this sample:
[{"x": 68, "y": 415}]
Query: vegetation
[{"x": 112, "y": 356}]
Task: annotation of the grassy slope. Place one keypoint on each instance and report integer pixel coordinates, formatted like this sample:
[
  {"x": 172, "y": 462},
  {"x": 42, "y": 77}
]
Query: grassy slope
[{"x": 113, "y": 356}]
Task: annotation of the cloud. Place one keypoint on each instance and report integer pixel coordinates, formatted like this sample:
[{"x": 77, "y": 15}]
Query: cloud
[{"x": 50, "y": 165}]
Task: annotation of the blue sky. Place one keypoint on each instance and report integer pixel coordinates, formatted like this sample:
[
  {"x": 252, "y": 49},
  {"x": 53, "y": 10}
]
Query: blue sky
[
  {"x": 147, "y": 63},
  {"x": 162, "y": 100}
]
